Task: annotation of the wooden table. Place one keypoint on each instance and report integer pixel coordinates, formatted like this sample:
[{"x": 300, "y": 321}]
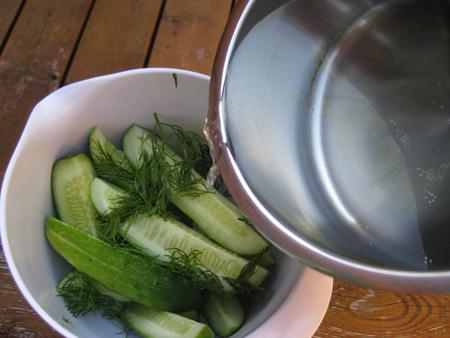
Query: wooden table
[{"x": 45, "y": 44}]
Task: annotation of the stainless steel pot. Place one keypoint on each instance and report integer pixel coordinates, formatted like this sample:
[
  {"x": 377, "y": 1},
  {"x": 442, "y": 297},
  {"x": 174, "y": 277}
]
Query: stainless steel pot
[{"x": 330, "y": 124}]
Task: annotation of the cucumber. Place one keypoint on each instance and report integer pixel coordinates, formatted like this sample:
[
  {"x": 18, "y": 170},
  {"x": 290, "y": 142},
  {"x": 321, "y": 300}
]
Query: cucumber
[
  {"x": 160, "y": 324},
  {"x": 105, "y": 196},
  {"x": 217, "y": 217},
  {"x": 191, "y": 315},
  {"x": 71, "y": 180},
  {"x": 265, "y": 260},
  {"x": 224, "y": 314},
  {"x": 107, "y": 292},
  {"x": 99, "y": 145},
  {"x": 155, "y": 236},
  {"x": 125, "y": 273}
]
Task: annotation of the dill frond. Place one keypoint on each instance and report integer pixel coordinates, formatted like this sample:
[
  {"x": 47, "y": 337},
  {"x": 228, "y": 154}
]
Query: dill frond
[
  {"x": 190, "y": 266},
  {"x": 81, "y": 296}
]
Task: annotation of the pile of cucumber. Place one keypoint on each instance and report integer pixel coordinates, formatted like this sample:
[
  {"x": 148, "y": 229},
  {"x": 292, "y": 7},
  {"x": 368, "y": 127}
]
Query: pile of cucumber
[{"x": 152, "y": 299}]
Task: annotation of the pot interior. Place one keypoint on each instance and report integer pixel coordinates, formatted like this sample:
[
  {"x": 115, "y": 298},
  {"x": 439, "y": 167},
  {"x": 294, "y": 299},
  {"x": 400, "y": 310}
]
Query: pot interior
[{"x": 338, "y": 115}]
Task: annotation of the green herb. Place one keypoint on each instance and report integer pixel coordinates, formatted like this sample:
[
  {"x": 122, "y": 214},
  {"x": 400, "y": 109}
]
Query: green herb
[
  {"x": 193, "y": 149},
  {"x": 240, "y": 284},
  {"x": 190, "y": 266},
  {"x": 81, "y": 296},
  {"x": 149, "y": 186}
]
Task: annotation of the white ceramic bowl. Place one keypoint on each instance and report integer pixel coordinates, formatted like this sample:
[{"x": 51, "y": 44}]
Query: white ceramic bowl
[{"x": 298, "y": 297}]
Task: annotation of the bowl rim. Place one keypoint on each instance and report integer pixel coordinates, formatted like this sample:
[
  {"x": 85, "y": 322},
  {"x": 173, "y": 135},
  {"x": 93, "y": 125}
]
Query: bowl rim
[
  {"x": 6, "y": 181},
  {"x": 53, "y": 323},
  {"x": 273, "y": 228}
]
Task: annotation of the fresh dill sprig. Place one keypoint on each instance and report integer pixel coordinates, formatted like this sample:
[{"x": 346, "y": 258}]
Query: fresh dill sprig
[
  {"x": 241, "y": 284},
  {"x": 81, "y": 296},
  {"x": 148, "y": 187},
  {"x": 193, "y": 149},
  {"x": 190, "y": 266}
]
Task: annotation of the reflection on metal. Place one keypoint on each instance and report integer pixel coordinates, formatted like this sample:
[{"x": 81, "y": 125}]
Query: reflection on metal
[{"x": 336, "y": 120}]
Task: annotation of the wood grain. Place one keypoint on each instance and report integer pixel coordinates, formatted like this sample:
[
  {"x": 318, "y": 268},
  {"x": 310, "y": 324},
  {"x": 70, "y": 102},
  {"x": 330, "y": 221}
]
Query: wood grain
[
  {"x": 361, "y": 312},
  {"x": 33, "y": 63},
  {"x": 8, "y": 11},
  {"x": 17, "y": 319},
  {"x": 116, "y": 38},
  {"x": 34, "y": 60},
  {"x": 189, "y": 33}
]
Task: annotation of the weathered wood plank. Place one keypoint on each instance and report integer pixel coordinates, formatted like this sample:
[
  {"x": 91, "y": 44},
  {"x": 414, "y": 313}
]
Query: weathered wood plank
[
  {"x": 8, "y": 11},
  {"x": 361, "y": 312},
  {"x": 189, "y": 33},
  {"x": 17, "y": 319},
  {"x": 33, "y": 61},
  {"x": 116, "y": 38}
]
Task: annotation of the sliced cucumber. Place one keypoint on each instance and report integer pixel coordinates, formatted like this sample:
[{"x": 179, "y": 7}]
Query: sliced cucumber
[
  {"x": 191, "y": 315},
  {"x": 107, "y": 292},
  {"x": 125, "y": 273},
  {"x": 224, "y": 314},
  {"x": 156, "y": 236},
  {"x": 159, "y": 324},
  {"x": 73, "y": 277},
  {"x": 266, "y": 259},
  {"x": 218, "y": 218},
  {"x": 71, "y": 181},
  {"x": 99, "y": 146},
  {"x": 105, "y": 196}
]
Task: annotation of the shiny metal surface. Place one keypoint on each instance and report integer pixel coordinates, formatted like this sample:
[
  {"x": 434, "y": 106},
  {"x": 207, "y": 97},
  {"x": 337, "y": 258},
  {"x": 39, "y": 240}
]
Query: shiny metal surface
[{"x": 331, "y": 125}]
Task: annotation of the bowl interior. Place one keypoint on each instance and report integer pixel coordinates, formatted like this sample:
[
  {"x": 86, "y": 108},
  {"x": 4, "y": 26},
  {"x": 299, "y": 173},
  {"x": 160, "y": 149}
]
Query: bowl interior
[
  {"x": 60, "y": 125},
  {"x": 337, "y": 113}
]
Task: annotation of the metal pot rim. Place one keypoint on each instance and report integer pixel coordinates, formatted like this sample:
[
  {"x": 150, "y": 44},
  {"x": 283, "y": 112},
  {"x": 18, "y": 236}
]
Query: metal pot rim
[{"x": 274, "y": 229}]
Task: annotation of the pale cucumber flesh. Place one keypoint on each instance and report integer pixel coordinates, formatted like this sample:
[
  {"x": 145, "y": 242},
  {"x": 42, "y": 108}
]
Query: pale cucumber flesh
[
  {"x": 159, "y": 324},
  {"x": 224, "y": 314},
  {"x": 105, "y": 196},
  {"x": 99, "y": 146},
  {"x": 156, "y": 236},
  {"x": 71, "y": 181},
  {"x": 217, "y": 217}
]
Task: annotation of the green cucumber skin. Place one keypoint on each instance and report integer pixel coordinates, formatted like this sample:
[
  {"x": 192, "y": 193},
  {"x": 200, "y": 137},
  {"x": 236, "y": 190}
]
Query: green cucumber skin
[
  {"x": 155, "y": 236},
  {"x": 96, "y": 140},
  {"x": 158, "y": 324},
  {"x": 190, "y": 315},
  {"x": 150, "y": 234},
  {"x": 120, "y": 271},
  {"x": 217, "y": 217},
  {"x": 71, "y": 180},
  {"x": 223, "y": 224},
  {"x": 224, "y": 314}
]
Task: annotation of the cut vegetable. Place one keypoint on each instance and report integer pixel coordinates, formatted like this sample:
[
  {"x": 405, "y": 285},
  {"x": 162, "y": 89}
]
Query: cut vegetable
[
  {"x": 107, "y": 292},
  {"x": 157, "y": 236},
  {"x": 125, "y": 273},
  {"x": 71, "y": 181},
  {"x": 266, "y": 259},
  {"x": 105, "y": 196},
  {"x": 224, "y": 314},
  {"x": 100, "y": 146},
  {"x": 218, "y": 218},
  {"x": 160, "y": 324},
  {"x": 191, "y": 315}
]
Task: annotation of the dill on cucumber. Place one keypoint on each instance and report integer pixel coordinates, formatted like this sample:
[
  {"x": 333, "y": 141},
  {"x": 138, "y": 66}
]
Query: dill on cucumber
[{"x": 160, "y": 262}]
